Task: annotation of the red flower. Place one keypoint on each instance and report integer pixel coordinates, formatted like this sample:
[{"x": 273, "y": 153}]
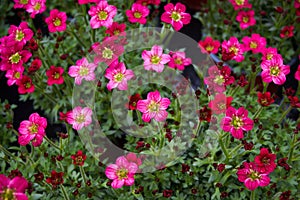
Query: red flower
[
  {"x": 220, "y": 103},
  {"x": 265, "y": 99},
  {"x": 221, "y": 167},
  {"x": 205, "y": 114},
  {"x": 35, "y": 65},
  {"x": 287, "y": 32},
  {"x": 55, "y": 179},
  {"x": 242, "y": 81},
  {"x": 55, "y": 75},
  {"x": 25, "y": 85},
  {"x": 209, "y": 45},
  {"x": 167, "y": 193},
  {"x": 64, "y": 116},
  {"x": 78, "y": 158},
  {"x": 294, "y": 101},
  {"x": 265, "y": 161},
  {"x": 133, "y": 101}
]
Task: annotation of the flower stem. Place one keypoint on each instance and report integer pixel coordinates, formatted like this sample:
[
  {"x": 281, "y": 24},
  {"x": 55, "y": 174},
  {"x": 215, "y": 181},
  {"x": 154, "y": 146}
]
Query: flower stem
[
  {"x": 224, "y": 148},
  {"x": 52, "y": 143},
  {"x": 252, "y": 195},
  {"x": 8, "y": 154},
  {"x": 284, "y": 114},
  {"x": 66, "y": 197},
  {"x": 82, "y": 174},
  {"x": 257, "y": 113},
  {"x": 292, "y": 146}
]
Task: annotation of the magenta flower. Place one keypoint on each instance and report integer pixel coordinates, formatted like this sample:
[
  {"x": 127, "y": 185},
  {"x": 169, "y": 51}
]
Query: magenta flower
[
  {"x": 118, "y": 76},
  {"x": 13, "y": 188},
  {"x": 138, "y": 13},
  {"x": 82, "y": 70},
  {"x": 148, "y": 2},
  {"x": 122, "y": 173},
  {"x": 274, "y": 70},
  {"x": 209, "y": 45},
  {"x": 102, "y": 15},
  {"x": 32, "y": 130},
  {"x": 233, "y": 46},
  {"x": 36, "y": 7},
  {"x": 80, "y": 117},
  {"x": 116, "y": 29},
  {"x": 21, "y": 33},
  {"x": 178, "y": 60},
  {"x": 246, "y": 18},
  {"x": 269, "y": 53},
  {"x": 56, "y": 21},
  {"x": 153, "y": 107},
  {"x": 220, "y": 103},
  {"x": 55, "y": 75},
  {"x": 175, "y": 15},
  {"x": 21, "y": 3},
  {"x": 287, "y": 32},
  {"x": 239, "y": 4},
  {"x": 251, "y": 177},
  {"x": 236, "y": 121},
  {"x": 13, "y": 75},
  {"x": 297, "y": 74},
  {"x": 256, "y": 43},
  {"x": 25, "y": 85},
  {"x": 155, "y": 59},
  {"x": 265, "y": 161}
]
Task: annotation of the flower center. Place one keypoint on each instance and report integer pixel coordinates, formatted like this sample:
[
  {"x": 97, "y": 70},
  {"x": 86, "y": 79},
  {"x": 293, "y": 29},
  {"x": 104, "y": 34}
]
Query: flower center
[
  {"x": 19, "y": 35},
  {"x": 269, "y": 56},
  {"x": 33, "y": 128},
  {"x": 153, "y": 107},
  {"x": 178, "y": 61},
  {"x": 57, "y": 22},
  {"x": 155, "y": 59},
  {"x": 253, "y": 45},
  {"x": 245, "y": 19},
  {"x": 137, "y": 15},
  {"x": 234, "y": 50},
  {"x": 219, "y": 79},
  {"x": 107, "y": 53},
  {"x": 254, "y": 175},
  {"x": 27, "y": 85},
  {"x": 17, "y": 75},
  {"x": 83, "y": 71},
  {"x": 239, "y": 2},
  {"x": 237, "y": 122},
  {"x": 122, "y": 173},
  {"x": 56, "y": 75},
  {"x": 102, "y": 15},
  {"x": 37, "y": 6},
  {"x": 23, "y": 2},
  {"x": 8, "y": 194},
  {"x": 274, "y": 71},
  {"x": 222, "y": 106},
  {"x": 78, "y": 159},
  {"x": 118, "y": 77},
  {"x": 15, "y": 58},
  {"x": 209, "y": 48},
  {"x": 266, "y": 160},
  {"x": 175, "y": 16},
  {"x": 116, "y": 32},
  {"x": 80, "y": 118}
]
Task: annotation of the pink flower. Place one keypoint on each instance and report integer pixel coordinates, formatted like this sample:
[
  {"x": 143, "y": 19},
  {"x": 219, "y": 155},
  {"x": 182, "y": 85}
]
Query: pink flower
[
  {"x": 265, "y": 161},
  {"x": 274, "y": 70},
  {"x": 56, "y": 21},
  {"x": 80, "y": 2},
  {"x": 116, "y": 29},
  {"x": 155, "y": 59},
  {"x": 148, "y": 2},
  {"x": 287, "y": 32},
  {"x": 246, "y": 18},
  {"x": 80, "y": 117},
  {"x": 175, "y": 15},
  {"x": 32, "y": 130},
  {"x": 14, "y": 74},
  {"x": 138, "y": 13},
  {"x": 122, "y": 173},
  {"x": 118, "y": 76},
  {"x": 35, "y": 65},
  {"x": 21, "y": 33},
  {"x": 236, "y": 121},
  {"x": 209, "y": 45},
  {"x": 256, "y": 43},
  {"x": 54, "y": 75},
  {"x": 21, "y": 3},
  {"x": 102, "y": 15},
  {"x": 251, "y": 177},
  {"x": 82, "y": 70},
  {"x": 36, "y": 7},
  {"x": 233, "y": 46},
  {"x": 239, "y": 4},
  {"x": 153, "y": 107},
  {"x": 297, "y": 74},
  {"x": 13, "y": 188},
  {"x": 131, "y": 157},
  {"x": 25, "y": 85},
  {"x": 220, "y": 103},
  {"x": 297, "y": 4},
  {"x": 178, "y": 60},
  {"x": 269, "y": 53}
]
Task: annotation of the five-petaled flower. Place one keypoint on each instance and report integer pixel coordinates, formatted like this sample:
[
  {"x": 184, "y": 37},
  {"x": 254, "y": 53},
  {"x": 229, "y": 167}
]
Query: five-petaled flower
[
  {"x": 82, "y": 70},
  {"x": 220, "y": 103},
  {"x": 246, "y": 19},
  {"x": 133, "y": 101},
  {"x": 21, "y": 33},
  {"x": 155, "y": 59},
  {"x": 55, "y": 179},
  {"x": 122, "y": 173},
  {"x": 256, "y": 43},
  {"x": 102, "y": 15},
  {"x": 239, "y": 4},
  {"x": 80, "y": 117},
  {"x": 233, "y": 46},
  {"x": 265, "y": 161},
  {"x": 54, "y": 75},
  {"x": 153, "y": 107},
  {"x": 32, "y": 130},
  {"x": 138, "y": 13},
  {"x": 236, "y": 121},
  {"x": 208, "y": 45},
  {"x": 176, "y": 15},
  {"x": 178, "y": 60},
  {"x": 56, "y": 21},
  {"x": 11, "y": 189},
  {"x": 265, "y": 99},
  {"x": 78, "y": 158}
]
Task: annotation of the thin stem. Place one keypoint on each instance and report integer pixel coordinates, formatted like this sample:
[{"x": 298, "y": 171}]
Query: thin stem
[
  {"x": 8, "y": 154},
  {"x": 224, "y": 148},
  {"x": 46, "y": 95},
  {"x": 284, "y": 114},
  {"x": 257, "y": 113},
  {"x": 66, "y": 197},
  {"x": 82, "y": 173},
  {"x": 252, "y": 195},
  {"x": 291, "y": 151},
  {"x": 52, "y": 143},
  {"x": 139, "y": 116}
]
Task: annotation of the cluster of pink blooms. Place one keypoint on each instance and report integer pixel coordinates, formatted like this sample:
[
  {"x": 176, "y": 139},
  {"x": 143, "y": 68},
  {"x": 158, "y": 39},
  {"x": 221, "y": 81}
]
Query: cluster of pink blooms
[
  {"x": 122, "y": 172},
  {"x": 33, "y": 7},
  {"x": 255, "y": 174}
]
